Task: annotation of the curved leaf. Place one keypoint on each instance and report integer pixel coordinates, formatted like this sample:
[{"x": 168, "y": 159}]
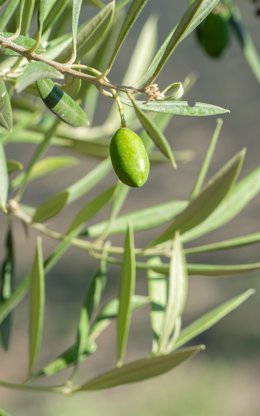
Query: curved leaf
[
  {"x": 139, "y": 370},
  {"x": 6, "y": 114},
  {"x": 61, "y": 104},
  {"x": 180, "y": 108}
]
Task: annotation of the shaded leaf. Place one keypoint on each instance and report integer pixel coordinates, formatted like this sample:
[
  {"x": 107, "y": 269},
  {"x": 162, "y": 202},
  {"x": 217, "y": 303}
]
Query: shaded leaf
[
  {"x": 8, "y": 13},
  {"x": 90, "y": 33},
  {"x": 207, "y": 200},
  {"x": 76, "y": 7},
  {"x": 4, "y": 183},
  {"x": 157, "y": 286},
  {"x": 126, "y": 291},
  {"x": 61, "y": 104},
  {"x": 211, "y": 318},
  {"x": 36, "y": 307},
  {"x": 181, "y": 108},
  {"x": 7, "y": 286},
  {"x": 139, "y": 370},
  {"x": 53, "y": 15},
  {"x": 141, "y": 220},
  {"x": 176, "y": 293},
  {"x": 194, "y": 15},
  {"x": 154, "y": 133},
  {"x": 13, "y": 166},
  {"x": 132, "y": 14},
  {"x": 6, "y": 114},
  {"x": 33, "y": 72},
  {"x": 241, "y": 194},
  {"x": 51, "y": 207}
]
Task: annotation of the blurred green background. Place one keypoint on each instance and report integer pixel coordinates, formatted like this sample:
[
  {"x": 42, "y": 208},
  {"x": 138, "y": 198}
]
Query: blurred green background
[{"x": 223, "y": 380}]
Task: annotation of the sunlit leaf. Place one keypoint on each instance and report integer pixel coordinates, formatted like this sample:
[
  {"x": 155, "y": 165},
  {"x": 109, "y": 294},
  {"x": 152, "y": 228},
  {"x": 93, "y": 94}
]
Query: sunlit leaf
[
  {"x": 35, "y": 71},
  {"x": 36, "y": 307},
  {"x": 207, "y": 200},
  {"x": 211, "y": 318},
  {"x": 126, "y": 291},
  {"x": 4, "y": 182},
  {"x": 6, "y": 114},
  {"x": 7, "y": 286},
  {"x": 61, "y": 104},
  {"x": 139, "y": 370},
  {"x": 181, "y": 108}
]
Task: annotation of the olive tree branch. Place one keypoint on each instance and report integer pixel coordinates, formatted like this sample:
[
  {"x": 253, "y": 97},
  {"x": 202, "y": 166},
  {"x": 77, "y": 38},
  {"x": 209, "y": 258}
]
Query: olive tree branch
[{"x": 31, "y": 55}]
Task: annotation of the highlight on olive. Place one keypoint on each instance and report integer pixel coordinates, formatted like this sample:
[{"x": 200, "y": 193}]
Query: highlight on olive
[{"x": 129, "y": 157}]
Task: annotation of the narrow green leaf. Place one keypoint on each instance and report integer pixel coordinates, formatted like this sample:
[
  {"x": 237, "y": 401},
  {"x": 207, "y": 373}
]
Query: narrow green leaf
[
  {"x": 207, "y": 201},
  {"x": 139, "y": 370},
  {"x": 6, "y": 114},
  {"x": 46, "y": 167},
  {"x": 194, "y": 15},
  {"x": 33, "y": 72},
  {"x": 157, "y": 285},
  {"x": 155, "y": 134},
  {"x": 181, "y": 108},
  {"x": 141, "y": 220},
  {"x": 76, "y": 7},
  {"x": 206, "y": 163},
  {"x": 132, "y": 14},
  {"x": 214, "y": 270},
  {"x": 8, "y": 13},
  {"x": 211, "y": 318},
  {"x": 4, "y": 413},
  {"x": 177, "y": 293},
  {"x": 51, "y": 207},
  {"x": 90, "y": 33},
  {"x": 245, "y": 40},
  {"x": 13, "y": 166},
  {"x": 241, "y": 194},
  {"x": 4, "y": 182},
  {"x": 61, "y": 104},
  {"x": 36, "y": 307},
  {"x": 104, "y": 318},
  {"x": 6, "y": 287},
  {"x": 90, "y": 304},
  {"x": 91, "y": 208},
  {"x": 245, "y": 240},
  {"x": 126, "y": 291},
  {"x": 54, "y": 13},
  {"x": 29, "y": 6},
  {"x": 42, "y": 7}
]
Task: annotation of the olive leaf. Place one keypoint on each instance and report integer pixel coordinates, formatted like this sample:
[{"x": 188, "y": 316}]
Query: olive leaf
[
  {"x": 154, "y": 133},
  {"x": 4, "y": 182},
  {"x": 36, "y": 307},
  {"x": 6, "y": 114},
  {"x": 131, "y": 16},
  {"x": 180, "y": 108},
  {"x": 7, "y": 286},
  {"x": 206, "y": 201},
  {"x": 54, "y": 13},
  {"x": 125, "y": 293},
  {"x": 61, "y": 104},
  {"x": 29, "y": 6},
  {"x": 33, "y": 72},
  {"x": 139, "y": 370},
  {"x": 76, "y": 7},
  {"x": 8, "y": 14},
  {"x": 211, "y": 318}
]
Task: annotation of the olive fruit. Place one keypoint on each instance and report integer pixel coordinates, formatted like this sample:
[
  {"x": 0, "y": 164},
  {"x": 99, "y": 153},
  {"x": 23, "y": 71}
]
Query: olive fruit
[
  {"x": 213, "y": 34},
  {"x": 129, "y": 157}
]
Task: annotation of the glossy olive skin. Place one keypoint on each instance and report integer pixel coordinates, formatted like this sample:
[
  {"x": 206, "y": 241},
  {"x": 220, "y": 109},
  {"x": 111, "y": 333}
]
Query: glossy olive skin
[
  {"x": 213, "y": 34},
  {"x": 129, "y": 157}
]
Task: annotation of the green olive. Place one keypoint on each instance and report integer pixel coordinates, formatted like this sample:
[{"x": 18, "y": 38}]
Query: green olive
[
  {"x": 213, "y": 34},
  {"x": 129, "y": 157}
]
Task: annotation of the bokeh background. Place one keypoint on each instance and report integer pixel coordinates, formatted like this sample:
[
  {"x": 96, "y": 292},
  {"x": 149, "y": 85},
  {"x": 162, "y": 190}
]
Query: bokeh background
[{"x": 224, "y": 380}]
